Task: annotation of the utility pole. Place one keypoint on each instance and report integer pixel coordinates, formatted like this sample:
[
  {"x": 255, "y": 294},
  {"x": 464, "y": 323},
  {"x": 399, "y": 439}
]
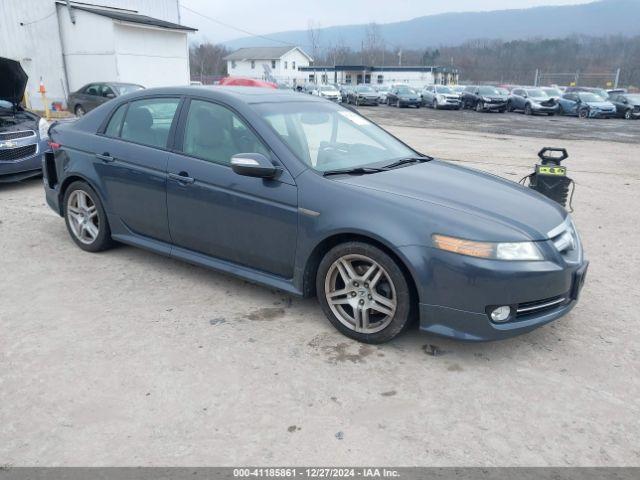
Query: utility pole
[
  {"x": 535, "y": 81},
  {"x": 400, "y": 58},
  {"x": 615, "y": 85}
]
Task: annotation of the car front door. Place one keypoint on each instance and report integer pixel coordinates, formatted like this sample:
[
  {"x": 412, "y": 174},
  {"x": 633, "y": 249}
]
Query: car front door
[
  {"x": 131, "y": 160},
  {"x": 517, "y": 99},
  {"x": 569, "y": 103},
  {"x": 218, "y": 213}
]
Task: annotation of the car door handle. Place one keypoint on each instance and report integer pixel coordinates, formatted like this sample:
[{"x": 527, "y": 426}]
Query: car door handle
[
  {"x": 182, "y": 177},
  {"x": 105, "y": 157}
]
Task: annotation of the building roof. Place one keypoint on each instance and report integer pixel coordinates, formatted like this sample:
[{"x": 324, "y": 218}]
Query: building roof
[
  {"x": 371, "y": 68},
  {"x": 263, "y": 53},
  {"x": 132, "y": 17}
]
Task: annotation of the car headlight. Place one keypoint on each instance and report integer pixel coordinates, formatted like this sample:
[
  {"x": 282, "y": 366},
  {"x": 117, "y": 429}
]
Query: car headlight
[
  {"x": 440, "y": 98},
  {"x": 486, "y": 99},
  {"x": 43, "y": 129},
  {"x": 491, "y": 250}
]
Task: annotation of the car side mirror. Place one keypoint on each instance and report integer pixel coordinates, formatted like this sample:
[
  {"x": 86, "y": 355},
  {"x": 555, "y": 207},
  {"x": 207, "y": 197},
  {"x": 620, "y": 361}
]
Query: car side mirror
[{"x": 253, "y": 165}]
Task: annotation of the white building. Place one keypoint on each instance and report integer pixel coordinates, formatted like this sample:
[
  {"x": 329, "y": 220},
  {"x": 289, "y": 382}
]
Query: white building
[
  {"x": 68, "y": 44},
  {"x": 418, "y": 76},
  {"x": 279, "y": 64}
]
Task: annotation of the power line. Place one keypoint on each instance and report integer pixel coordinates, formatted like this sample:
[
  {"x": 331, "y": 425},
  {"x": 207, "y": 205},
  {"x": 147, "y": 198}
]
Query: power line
[{"x": 236, "y": 28}]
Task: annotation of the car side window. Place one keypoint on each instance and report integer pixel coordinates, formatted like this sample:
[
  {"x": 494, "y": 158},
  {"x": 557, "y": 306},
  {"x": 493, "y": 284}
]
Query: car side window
[
  {"x": 92, "y": 90},
  {"x": 113, "y": 128},
  {"x": 106, "y": 90},
  {"x": 149, "y": 121},
  {"x": 214, "y": 133}
]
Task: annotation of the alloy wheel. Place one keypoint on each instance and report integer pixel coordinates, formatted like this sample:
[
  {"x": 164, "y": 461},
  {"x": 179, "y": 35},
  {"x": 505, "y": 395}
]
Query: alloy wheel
[
  {"x": 628, "y": 115},
  {"x": 435, "y": 104},
  {"x": 479, "y": 107},
  {"x": 83, "y": 217},
  {"x": 360, "y": 293},
  {"x": 80, "y": 111}
]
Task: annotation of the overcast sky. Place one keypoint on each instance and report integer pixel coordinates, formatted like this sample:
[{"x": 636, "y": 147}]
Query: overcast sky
[{"x": 268, "y": 16}]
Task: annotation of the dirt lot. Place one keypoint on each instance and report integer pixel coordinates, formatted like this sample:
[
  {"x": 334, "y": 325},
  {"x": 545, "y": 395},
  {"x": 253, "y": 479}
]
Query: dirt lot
[{"x": 129, "y": 358}]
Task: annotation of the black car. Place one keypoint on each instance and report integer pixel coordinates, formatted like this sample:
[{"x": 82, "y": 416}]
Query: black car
[
  {"x": 362, "y": 95},
  {"x": 484, "y": 99},
  {"x": 95, "y": 94},
  {"x": 403, "y": 96},
  {"x": 627, "y": 105},
  {"x": 23, "y": 134}
]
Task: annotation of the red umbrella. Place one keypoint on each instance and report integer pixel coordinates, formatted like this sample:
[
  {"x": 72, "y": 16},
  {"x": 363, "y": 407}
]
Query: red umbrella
[{"x": 246, "y": 82}]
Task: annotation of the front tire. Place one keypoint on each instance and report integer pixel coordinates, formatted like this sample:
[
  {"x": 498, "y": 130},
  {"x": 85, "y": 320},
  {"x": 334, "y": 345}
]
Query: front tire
[
  {"x": 79, "y": 111},
  {"x": 363, "y": 292},
  {"x": 527, "y": 110},
  {"x": 86, "y": 219},
  {"x": 479, "y": 106},
  {"x": 628, "y": 115},
  {"x": 583, "y": 113}
]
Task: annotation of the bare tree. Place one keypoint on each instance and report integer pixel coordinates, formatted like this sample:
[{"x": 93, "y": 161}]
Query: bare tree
[
  {"x": 207, "y": 59},
  {"x": 313, "y": 31},
  {"x": 373, "y": 44}
]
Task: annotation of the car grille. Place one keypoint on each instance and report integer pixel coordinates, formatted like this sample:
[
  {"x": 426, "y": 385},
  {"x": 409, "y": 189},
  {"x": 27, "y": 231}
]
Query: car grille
[
  {"x": 548, "y": 103},
  {"x": 540, "y": 306},
  {"x": 14, "y": 135},
  {"x": 565, "y": 239},
  {"x": 10, "y": 154}
]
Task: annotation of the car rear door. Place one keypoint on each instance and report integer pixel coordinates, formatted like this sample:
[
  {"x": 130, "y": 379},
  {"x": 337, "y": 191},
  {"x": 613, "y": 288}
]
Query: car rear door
[
  {"x": 214, "y": 211},
  {"x": 132, "y": 159}
]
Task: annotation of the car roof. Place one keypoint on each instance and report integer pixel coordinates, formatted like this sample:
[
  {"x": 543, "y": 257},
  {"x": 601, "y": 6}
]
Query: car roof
[{"x": 230, "y": 93}]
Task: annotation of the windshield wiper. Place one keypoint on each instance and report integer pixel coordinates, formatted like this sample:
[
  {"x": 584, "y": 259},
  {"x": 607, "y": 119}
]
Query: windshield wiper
[
  {"x": 353, "y": 171},
  {"x": 407, "y": 160}
]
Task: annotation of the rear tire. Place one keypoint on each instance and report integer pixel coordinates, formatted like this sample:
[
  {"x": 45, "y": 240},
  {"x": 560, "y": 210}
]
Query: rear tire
[
  {"x": 356, "y": 279},
  {"x": 85, "y": 218}
]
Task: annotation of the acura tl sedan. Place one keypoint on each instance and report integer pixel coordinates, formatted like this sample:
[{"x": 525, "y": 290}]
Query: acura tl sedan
[{"x": 309, "y": 197}]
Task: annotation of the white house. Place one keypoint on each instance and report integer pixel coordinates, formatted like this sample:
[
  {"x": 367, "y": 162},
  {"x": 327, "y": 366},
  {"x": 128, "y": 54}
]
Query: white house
[
  {"x": 279, "y": 64},
  {"x": 67, "y": 44}
]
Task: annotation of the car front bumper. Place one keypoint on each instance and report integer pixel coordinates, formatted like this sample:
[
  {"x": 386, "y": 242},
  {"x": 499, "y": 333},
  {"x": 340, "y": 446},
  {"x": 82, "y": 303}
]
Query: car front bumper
[
  {"x": 407, "y": 103},
  {"x": 16, "y": 169},
  {"x": 602, "y": 114},
  {"x": 494, "y": 106},
  {"x": 457, "y": 293},
  {"x": 367, "y": 101},
  {"x": 545, "y": 109}
]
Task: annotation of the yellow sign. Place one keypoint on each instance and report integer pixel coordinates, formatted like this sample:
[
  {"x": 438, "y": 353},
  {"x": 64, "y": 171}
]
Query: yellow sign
[
  {"x": 545, "y": 170},
  {"x": 609, "y": 84},
  {"x": 572, "y": 84}
]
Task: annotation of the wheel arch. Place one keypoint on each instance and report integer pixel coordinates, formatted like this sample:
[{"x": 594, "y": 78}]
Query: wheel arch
[
  {"x": 75, "y": 177},
  {"x": 320, "y": 250}
]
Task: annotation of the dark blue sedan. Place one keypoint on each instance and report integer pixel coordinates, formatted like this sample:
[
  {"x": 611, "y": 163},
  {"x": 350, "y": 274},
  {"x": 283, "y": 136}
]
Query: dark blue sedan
[{"x": 298, "y": 193}]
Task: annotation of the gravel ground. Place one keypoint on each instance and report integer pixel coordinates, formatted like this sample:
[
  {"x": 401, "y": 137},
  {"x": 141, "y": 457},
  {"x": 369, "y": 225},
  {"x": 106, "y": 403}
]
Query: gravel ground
[{"x": 129, "y": 358}]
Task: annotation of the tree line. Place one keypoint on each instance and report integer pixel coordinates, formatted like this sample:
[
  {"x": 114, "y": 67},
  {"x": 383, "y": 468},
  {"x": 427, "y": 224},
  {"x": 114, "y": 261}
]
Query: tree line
[{"x": 581, "y": 58}]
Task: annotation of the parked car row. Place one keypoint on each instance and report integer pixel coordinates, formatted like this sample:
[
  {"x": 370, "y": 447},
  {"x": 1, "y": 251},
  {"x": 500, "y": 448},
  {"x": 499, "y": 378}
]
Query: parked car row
[{"x": 583, "y": 102}]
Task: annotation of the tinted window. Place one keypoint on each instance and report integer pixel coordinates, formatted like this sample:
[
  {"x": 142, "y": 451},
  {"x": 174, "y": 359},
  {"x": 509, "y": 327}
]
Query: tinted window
[
  {"x": 92, "y": 90},
  {"x": 149, "y": 121},
  {"x": 488, "y": 91},
  {"x": 215, "y": 133},
  {"x": 113, "y": 129}
]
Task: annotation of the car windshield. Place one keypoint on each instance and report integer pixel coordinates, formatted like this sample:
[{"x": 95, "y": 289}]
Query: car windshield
[
  {"x": 488, "y": 91},
  {"x": 443, "y": 89},
  {"x": 330, "y": 137},
  {"x": 537, "y": 93},
  {"x": 382, "y": 89},
  {"x": 601, "y": 93},
  {"x": 552, "y": 92},
  {"x": 406, "y": 90},
  {"x": 124, "y": 89},
  {"x": 364, "y": 89},
  {"x": 589, "y": 97},
  {"x": 633, "y": 98}
]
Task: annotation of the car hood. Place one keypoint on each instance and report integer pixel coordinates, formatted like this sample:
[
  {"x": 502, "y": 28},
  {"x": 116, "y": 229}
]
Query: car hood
[
  {"x": 484, "y": 196},
  {"x": 600, "y": 104},
  {"x": 13, "y": 81}
]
